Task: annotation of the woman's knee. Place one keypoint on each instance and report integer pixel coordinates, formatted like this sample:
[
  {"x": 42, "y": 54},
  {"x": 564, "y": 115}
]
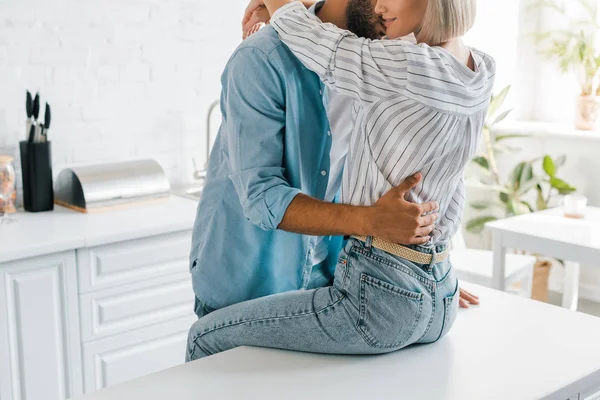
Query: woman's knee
[{"x": 195, "y": 349}]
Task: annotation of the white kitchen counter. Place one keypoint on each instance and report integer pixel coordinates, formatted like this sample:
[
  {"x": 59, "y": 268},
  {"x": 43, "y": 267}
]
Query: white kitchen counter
[
  {"x": 508, "y": 348},
  {"x": 37, "y": 234}
]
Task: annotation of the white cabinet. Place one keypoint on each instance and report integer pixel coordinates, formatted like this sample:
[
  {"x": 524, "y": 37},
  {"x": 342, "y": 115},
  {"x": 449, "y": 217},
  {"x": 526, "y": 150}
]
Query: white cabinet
[
  {"x": 94, "y": 316},
  {"x": 111, "y": 265},
  {"x": 591, "y": 394},
  {"x": 129, "y": 307},
  {"x": 136, "y": 303},
  {"x": 40, "y": 328},
  {"x": 128, "y": 356}
]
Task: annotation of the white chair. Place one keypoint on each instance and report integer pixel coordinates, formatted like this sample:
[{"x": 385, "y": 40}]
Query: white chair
[{"x": 476, "y": 266}]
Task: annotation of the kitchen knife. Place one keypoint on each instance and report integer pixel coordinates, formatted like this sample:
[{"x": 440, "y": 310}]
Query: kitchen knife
[
  {"x": 31, "y": 134},
  {"x": 36, "y": 106},
  {"x": 29, "y": 105},
  {"x": 47, "y": 120},
  {"x": 29, "y": 109}
]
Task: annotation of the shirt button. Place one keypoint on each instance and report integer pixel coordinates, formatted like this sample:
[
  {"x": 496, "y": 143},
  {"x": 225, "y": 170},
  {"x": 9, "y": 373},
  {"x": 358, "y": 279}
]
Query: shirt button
[
  {"x": 323, "y": 173},
  {"x": 310, "y": 251},
  {"x": 328, "y": 133}
]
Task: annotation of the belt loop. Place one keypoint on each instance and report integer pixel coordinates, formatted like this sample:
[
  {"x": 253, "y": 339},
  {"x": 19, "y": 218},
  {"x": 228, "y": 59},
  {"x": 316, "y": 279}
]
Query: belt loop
[
  {"x": 433, "y": 257},
  {"x": 369, "y": 242}
]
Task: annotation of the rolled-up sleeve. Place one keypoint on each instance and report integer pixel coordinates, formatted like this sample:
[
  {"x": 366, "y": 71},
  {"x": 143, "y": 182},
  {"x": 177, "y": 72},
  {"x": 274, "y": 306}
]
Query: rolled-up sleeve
[{"x": 253, "y": 107}]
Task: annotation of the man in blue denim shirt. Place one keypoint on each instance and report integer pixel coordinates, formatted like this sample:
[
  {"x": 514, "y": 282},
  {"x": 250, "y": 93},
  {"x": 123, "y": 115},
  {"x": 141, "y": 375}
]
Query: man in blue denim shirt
[{"x": 263, "y": 217}]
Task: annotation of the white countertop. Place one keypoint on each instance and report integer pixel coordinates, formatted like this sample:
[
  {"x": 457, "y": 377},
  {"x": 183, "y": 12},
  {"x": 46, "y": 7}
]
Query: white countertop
[
  {"x": 553, "y": 226},
  {"x": 36, "y": 234},
  {"x": 508, "y": 348}
]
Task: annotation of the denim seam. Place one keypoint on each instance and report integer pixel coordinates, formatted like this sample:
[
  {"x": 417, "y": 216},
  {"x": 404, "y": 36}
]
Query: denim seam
[
  {"x": 197, "y": 346},
  {"x": 303, "y": 314},
  {"x": 391, "y": 288},
  {"x": 398, "y": 266},
  {"x": 443, "y": 280},
  {"x": 433, "y": 301},
  {"x": 362, "y": 315},
  {"x": 447, "y": 303}
]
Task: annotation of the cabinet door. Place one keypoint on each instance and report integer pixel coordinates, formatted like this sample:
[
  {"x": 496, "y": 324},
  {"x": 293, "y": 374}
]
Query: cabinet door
[
  {"x": 41, "y": 328},
  {"x": 128, "y": 356}
]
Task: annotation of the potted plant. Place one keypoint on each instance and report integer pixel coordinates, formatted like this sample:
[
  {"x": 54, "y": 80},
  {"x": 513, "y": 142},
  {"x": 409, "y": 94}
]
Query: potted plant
[
  {"x": 524, "y": 191},
  {"x": 575, "y": 51}
]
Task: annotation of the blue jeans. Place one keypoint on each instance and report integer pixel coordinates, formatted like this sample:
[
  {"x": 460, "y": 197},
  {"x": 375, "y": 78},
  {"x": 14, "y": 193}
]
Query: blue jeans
[{"x": 378, "y": 303}]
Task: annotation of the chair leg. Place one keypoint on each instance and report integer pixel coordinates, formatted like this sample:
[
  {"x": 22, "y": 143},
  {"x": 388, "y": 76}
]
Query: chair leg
[{"x": 528, "y": 283}]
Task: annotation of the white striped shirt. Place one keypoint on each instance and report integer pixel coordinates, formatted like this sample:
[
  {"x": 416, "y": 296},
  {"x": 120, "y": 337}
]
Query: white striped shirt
[{"x": 422, "y": 111}]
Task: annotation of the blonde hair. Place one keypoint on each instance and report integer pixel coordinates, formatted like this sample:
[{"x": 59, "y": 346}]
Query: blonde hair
[{"x": 445, "y": 20}]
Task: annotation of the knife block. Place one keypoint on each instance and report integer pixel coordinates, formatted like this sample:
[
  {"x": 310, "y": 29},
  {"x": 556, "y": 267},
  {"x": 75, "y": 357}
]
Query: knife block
[{"x": 36, "y": 168}]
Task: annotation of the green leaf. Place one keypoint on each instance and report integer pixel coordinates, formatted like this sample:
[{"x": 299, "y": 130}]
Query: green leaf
[
  {"x": 517, "y": 208},
  {"x": 527, "y": 186},
  {"x": 479, "y": 185},
  {"x": 540, "y": 202},
  {"x": 497, "y": 101},
  {"x": 549, "y": 166},
  {"x": 522, "y": 173},
  {"x": 482, "y": 161},
  {"x": 526, "y": 175},
  {"x": 501, "y": 117},
  {"x": 502, "y": 148},
  {"x": 483, "y": 205},
  {"x": 510, "y": 136},
  {"x": 504, "y": 198},
  {"x": 562, "y": 186},
  {"x": 476, "y": 225},
  {"x": 529, "y": 206}
]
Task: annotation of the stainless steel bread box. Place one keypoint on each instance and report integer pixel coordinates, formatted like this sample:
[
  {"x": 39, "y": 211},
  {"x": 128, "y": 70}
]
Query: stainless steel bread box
[{"x": 95, "y": 187}]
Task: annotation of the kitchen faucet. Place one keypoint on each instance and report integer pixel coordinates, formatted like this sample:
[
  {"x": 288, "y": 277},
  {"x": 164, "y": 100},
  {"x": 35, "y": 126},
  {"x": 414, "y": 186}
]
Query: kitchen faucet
[{"x": 200, "y": 174}]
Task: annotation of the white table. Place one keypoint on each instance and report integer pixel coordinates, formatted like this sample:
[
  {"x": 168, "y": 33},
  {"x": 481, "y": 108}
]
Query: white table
[
  {"x": 549, "y": 233},
  {"x": 508, "y": 348}
]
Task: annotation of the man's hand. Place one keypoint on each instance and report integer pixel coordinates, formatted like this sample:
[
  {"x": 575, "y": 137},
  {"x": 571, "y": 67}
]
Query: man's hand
[
  {"x": 467, "y": 298},
  {"x": 396, "y": 220}
]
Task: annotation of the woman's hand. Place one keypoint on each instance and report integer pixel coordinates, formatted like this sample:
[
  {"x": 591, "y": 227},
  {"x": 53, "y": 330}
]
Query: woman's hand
[
  {"x": 256, "y": 14},
  {"x": 467, "y": 298},
  {"x": 258, "y": 19}
]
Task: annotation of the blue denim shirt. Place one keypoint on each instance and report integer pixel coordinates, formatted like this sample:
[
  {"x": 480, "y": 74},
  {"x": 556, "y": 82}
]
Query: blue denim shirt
[{"x": 272, "y": 145}]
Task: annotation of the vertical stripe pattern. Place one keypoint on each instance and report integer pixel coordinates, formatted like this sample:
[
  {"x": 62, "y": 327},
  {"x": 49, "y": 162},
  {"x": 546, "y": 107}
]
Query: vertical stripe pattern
[{"x": 421, "y": 111}]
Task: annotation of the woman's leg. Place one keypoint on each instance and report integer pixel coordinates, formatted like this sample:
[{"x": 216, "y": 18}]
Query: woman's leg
[{"x": 306, "y": 320}]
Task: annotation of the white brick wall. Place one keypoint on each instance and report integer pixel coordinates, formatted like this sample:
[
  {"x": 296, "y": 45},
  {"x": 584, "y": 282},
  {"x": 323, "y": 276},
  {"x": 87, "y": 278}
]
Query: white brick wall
[{"x": 125, "y": 78}]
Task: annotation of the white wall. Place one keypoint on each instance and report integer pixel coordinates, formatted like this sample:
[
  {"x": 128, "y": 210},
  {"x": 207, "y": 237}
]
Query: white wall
[
  {"x": 125, "y": 78},
  {"x": 496, "y": 32}
]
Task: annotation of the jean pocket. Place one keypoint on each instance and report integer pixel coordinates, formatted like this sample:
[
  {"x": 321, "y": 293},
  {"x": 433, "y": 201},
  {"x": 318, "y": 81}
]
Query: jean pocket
[
  {"x": 450, "y": 311},
  {"x": 388, "y": 314}
]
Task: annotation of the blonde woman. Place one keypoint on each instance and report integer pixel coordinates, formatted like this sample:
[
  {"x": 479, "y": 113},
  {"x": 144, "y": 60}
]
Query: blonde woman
[{"x": 423, "y": 107}]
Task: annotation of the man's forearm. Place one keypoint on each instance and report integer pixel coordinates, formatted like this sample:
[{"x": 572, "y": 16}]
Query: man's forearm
[{"x": 309, "y": 216}]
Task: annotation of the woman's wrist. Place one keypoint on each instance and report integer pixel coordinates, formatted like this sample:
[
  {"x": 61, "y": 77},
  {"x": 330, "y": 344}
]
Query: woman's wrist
[{"x": 274, "y": 5}]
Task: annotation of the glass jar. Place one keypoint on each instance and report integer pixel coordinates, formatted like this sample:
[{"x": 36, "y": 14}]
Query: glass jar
[{"x": 8, "y": 194}]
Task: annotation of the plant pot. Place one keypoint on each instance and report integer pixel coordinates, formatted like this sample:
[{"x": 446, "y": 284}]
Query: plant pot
[
  {"x": 587, "y": 112},
  {"x": 541, "y": 274}
]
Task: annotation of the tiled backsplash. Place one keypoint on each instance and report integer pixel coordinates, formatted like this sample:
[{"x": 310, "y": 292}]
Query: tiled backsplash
[{"x": 125, "y": 78}]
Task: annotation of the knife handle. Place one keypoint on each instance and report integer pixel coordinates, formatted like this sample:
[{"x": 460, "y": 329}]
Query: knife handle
[{"x": 31, "y": 136}]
